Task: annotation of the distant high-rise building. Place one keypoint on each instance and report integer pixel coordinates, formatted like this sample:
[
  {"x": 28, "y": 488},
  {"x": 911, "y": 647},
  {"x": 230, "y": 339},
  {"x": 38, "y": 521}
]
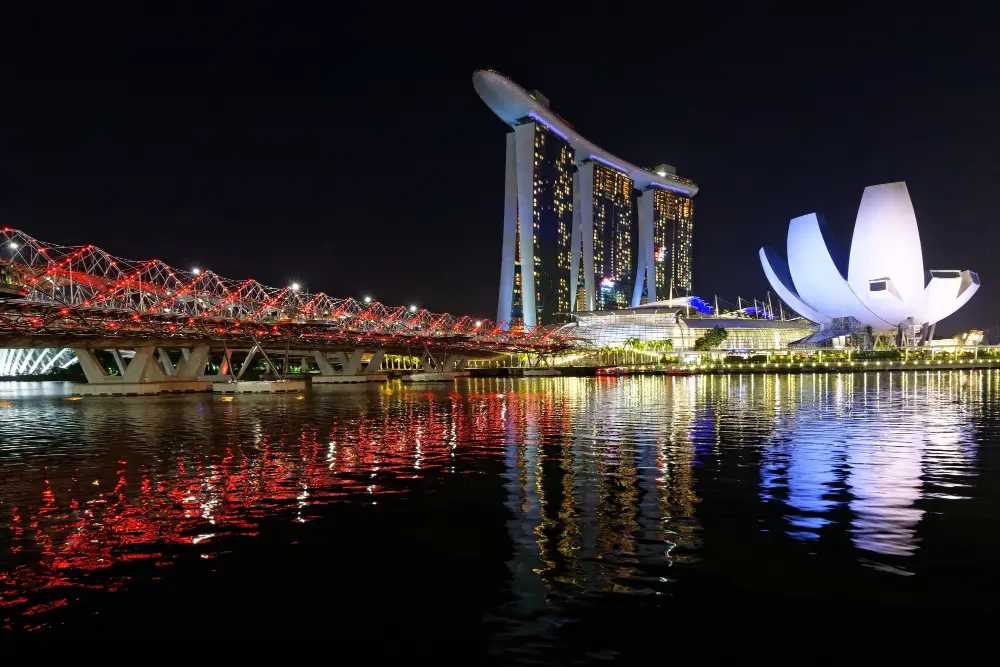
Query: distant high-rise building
[{"x": 576, "y": 236}]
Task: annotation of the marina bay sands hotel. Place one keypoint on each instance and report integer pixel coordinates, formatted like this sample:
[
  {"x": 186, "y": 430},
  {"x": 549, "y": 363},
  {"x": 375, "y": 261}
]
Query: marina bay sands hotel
[{"x": 583, "y": 230}]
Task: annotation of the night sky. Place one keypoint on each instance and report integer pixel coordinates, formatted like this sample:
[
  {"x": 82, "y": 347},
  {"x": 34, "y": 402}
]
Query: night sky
[{"x": 351, "y": 153}]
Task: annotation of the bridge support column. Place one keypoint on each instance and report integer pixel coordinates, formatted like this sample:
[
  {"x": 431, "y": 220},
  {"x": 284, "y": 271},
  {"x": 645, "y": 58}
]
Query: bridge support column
[
  {"x": 351, "y": 367},
  {"x": 165, "y": 362},
  {"x": 540, "y": 367},
  {"x": 374, "y": 366},
  {"x": 150, "y": 371},
  {"x": 143, "y": 367},
  {"x": 191, "y": 365},
  {"x": 325, "y": 369},
  {"x": 455, "y": 363},
  {"x": 439, "y": 368},
  {"x": 119, "y": 362},
  {"x": 278, "y": 386},
  {"x": 224, "y": 374},
  {"x": 92, "y": 368}
]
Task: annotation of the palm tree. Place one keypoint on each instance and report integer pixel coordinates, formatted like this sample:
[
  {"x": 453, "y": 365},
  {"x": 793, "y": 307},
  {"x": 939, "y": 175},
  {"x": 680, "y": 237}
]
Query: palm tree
[{"x": 630, "y": 345}]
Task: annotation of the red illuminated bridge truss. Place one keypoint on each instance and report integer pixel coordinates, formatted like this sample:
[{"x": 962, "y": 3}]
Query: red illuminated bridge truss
[{"x": 83, "y": 295}]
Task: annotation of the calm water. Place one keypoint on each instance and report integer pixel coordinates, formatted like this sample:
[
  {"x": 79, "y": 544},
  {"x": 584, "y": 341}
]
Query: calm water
[{"x": 544, "y": 520}]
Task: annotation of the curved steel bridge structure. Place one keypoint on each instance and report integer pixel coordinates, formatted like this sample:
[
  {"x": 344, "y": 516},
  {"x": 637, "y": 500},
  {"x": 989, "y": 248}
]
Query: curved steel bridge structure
[{"x": 83, "y": 296}]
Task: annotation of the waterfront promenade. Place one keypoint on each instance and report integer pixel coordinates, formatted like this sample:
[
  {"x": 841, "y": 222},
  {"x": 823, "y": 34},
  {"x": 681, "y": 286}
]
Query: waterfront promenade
[
  {"x": 821, "y": 366},
  {"x": 628, "y": 362}
]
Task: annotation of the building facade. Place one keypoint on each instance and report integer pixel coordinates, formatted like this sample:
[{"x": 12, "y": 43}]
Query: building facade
[
  {"x": 881, "y": 285},
  {"x": 550, "y": 226},
  {"x": 583, "y": 230},
  {"x": 683, "y": 326},
  {"x": 673, "y": 215},
  {"x": 613, "y": 238}
]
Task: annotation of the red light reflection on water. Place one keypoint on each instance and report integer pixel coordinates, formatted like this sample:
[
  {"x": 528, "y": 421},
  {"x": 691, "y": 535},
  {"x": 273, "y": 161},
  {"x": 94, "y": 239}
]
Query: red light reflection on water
[{"x": 76, "y": 529}]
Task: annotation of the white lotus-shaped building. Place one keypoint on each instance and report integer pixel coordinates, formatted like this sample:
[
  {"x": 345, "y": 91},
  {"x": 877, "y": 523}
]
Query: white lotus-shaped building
[{"x": 883, "y": 285}]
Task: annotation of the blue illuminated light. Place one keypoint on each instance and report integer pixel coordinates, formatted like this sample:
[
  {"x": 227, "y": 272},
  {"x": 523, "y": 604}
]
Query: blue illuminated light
[
  {"x": 668, "y": 187},
  {"x": 700, "y": 305},
  {"x": 760, "y": 312},
  {"x": 598, "y": 158},
  {"x": 547, "y": 124}
]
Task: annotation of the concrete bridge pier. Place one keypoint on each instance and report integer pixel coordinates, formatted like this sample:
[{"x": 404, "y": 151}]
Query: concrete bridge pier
[
  {"x": 351, "y": 366},
  {"x": 540, "y": 366},
  {"x": 225, "y": 372},
  {"x": 236, "y": 385},
  {"x": 149, "y": 371},
  {"x": 439, "y": 368}
]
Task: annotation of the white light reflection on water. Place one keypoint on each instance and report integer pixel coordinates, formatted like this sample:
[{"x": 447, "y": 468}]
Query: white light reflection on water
[
  {"x": 620, "y": 487},
  {"x": 868, "y": 442}
]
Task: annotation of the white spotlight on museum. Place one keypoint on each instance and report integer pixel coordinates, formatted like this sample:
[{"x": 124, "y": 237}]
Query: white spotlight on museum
[{"x": 882, "y": 286}]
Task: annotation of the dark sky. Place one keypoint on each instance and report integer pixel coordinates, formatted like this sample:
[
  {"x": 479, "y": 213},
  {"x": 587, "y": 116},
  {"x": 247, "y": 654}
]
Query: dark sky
[{"x": 350, "y": 151}]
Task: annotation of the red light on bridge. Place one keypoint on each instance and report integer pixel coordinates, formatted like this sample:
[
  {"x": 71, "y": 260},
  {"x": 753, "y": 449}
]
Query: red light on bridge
[{"x": 154, "y": 288}]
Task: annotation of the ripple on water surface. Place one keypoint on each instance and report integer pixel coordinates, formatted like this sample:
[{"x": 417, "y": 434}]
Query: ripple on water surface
[{"x": 547, "y": 516}]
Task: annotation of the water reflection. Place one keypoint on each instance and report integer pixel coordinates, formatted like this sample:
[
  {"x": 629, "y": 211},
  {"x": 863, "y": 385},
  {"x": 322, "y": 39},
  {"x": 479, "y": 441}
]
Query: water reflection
[
  {"x": 869, "y": 442},
  {"x": 612, "y": 487}
]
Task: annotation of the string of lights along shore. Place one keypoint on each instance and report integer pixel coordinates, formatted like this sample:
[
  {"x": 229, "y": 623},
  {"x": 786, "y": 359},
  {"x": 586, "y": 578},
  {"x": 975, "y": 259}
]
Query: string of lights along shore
[{"x": 583, "y": 230}]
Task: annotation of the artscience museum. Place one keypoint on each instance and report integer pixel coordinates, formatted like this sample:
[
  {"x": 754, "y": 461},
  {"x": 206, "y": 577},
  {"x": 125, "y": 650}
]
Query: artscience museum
[{"x": 881, "y": 284}]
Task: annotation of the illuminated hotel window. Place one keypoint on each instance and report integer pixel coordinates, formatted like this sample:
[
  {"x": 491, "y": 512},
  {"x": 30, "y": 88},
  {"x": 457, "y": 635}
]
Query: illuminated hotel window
[
  {"x": 672, "y": 231},
  {"x": 552, "y": 223},
  {"x": 613, "y": 221}
]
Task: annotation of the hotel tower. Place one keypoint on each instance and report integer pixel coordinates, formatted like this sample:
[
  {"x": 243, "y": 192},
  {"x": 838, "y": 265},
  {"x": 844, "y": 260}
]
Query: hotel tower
[{"x": 583, "y": 230}]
